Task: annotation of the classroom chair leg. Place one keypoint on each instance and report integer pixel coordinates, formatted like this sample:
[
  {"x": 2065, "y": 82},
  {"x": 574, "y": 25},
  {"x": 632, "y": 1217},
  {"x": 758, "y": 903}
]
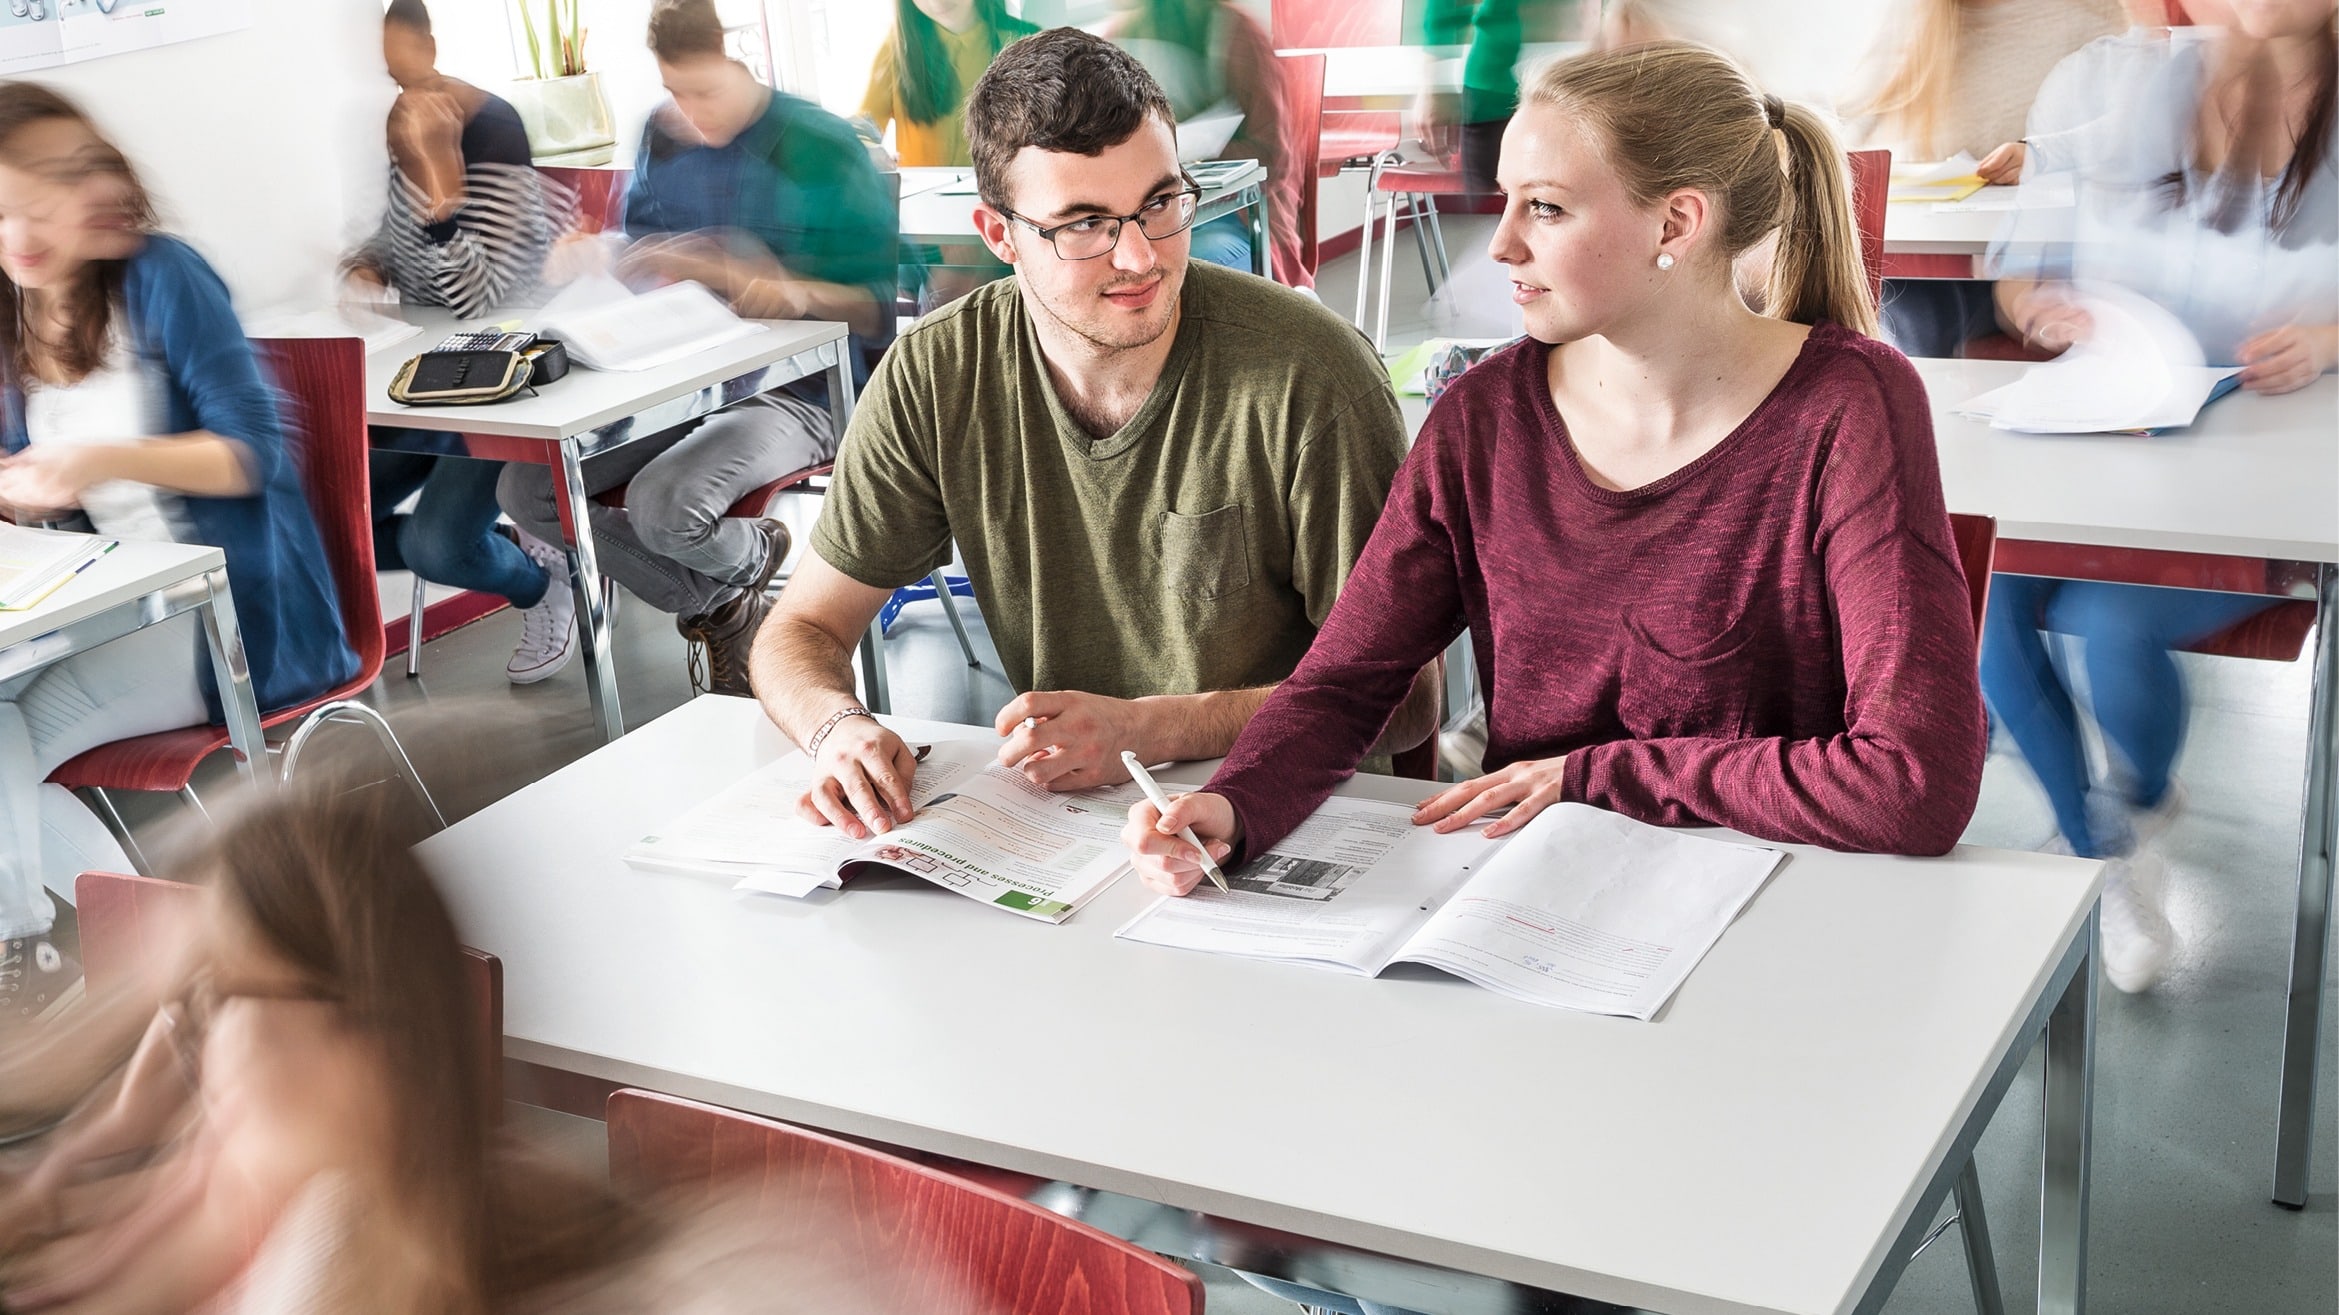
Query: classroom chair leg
[
  {"x": 112, "y": 817},
  {"x": 414, "y": 632},
  {"x": 194, "y": 801},
  {"x": 1974, "y": 1227},
  {"x": 358, "y": 714},
  {"x": 966, "y": 645}
]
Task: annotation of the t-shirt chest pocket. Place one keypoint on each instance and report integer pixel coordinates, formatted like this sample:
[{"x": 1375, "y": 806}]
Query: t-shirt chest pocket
[
  {"x": 1205, "y": 555},
  {"x": 1690, "y": 671}
]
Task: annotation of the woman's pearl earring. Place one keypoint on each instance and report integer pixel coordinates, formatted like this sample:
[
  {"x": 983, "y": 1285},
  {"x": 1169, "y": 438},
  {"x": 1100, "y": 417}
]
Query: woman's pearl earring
[{"x": 1664, "y": 260}]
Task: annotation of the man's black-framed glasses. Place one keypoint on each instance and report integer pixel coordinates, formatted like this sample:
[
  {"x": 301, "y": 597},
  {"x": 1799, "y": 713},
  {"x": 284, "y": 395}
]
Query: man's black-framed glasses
[{"x": 1163, "y": 217}]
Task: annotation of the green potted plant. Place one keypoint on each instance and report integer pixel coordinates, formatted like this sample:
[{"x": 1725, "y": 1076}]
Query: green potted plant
[{"x": 567, "y": 117}]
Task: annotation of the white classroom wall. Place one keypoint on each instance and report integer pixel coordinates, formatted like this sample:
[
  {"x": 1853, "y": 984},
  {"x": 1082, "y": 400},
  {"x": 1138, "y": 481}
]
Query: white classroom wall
[{"x": 264, "y": 148}]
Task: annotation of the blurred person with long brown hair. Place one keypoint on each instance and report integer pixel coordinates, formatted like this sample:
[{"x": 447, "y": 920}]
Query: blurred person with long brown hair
[
  {"x": 129, "y": 403},
  {"x": 2212, "y": 190}
]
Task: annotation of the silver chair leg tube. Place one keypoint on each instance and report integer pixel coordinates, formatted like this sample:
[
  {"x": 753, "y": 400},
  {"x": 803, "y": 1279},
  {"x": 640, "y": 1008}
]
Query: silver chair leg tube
[
  {"x": 1388, "y": 267},
  {"x": 1364, "y": 242},
  {"x": 1437, "y": 239},
  {"x": 1974, "y": 1226},
  {"x": 193, "y": 800},
  {"x": 1417, "y": 207},
  {"x": 966, "y": 645},
  {"x": 2311, "y": 931},
  {"x": 414, "y": 632},
  {"x": 112, "y": 817},
  {"x": 351, "y": 713},
  {"x": 873, "y": 687}
]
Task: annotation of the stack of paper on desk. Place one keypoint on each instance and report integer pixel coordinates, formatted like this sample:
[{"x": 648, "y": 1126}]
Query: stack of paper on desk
[
  {"x": 1581, "y": 909},
  {"x": 35, "y": 563},
  {"x": 607, "y": 327},
  {"x": 1953, "y": 179},
  {"x": 980, "y": 830}
]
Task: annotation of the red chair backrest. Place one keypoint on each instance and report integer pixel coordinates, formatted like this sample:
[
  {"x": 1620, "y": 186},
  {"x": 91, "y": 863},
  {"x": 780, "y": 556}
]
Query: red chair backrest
[
  {"x": 1977, "y": 548},
  {"x": 322, "y": 381},
  {"x": 923, "y": 1239},
  {"x": 1303, "y": 107},
  {"x": 1312, "y": 24},
  {"x": 599, "y": 195},
  {"x": 126, "y": 920},
  {"x": 1871, "y": 192}
]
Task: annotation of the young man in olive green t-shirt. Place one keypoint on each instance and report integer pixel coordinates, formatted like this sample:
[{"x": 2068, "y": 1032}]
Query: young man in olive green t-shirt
[{"x": 1159, "y": 474}]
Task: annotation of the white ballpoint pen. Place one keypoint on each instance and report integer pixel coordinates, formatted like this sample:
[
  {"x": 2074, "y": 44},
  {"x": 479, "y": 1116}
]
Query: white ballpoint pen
[{"x": 1152, "y": 789}]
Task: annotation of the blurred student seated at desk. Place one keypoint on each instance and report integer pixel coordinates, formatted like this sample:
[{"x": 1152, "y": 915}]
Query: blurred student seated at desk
[
  {"x": 133, "y": 406},
  {"x": 2211, "y": 187},
  {"x": 773, "y": 204},
  {"x": 466, "y": 226},
  {"x": 1159, "y": 471}
]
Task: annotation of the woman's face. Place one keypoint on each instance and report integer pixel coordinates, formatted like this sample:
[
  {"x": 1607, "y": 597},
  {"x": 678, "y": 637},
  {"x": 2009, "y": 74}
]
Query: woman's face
[
  {"x": 1581, "y": 252},
  {"x": 49, "y": 212}
]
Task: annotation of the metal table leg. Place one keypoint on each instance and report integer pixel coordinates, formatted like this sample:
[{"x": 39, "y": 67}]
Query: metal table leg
[
  {"x": 2311, "y": 932},
  {"x": 840, "y": 387},
  {"x": 2070, "y": 1117},
  {"x": 232, "y": 671},
  {"x": 592, "y": 607},
  {"x": 1262, "y": 259}
]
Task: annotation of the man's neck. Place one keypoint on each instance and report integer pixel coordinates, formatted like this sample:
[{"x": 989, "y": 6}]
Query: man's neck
[{"x": 1101, "y": 386}]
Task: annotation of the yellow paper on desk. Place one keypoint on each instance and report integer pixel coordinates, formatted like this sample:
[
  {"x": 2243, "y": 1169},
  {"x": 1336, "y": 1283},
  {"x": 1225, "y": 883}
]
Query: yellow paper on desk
[{"x": 1953, "y": 179}]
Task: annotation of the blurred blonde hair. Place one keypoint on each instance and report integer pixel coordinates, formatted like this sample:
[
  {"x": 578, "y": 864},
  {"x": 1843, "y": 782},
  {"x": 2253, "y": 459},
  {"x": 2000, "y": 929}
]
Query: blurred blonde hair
[
  {"x": 1913, "y": 95},
  {"x": 1672, "y": 115}
]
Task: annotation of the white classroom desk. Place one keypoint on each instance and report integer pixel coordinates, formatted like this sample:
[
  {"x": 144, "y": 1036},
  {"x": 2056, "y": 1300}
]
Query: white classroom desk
[
  {"x": 1777, "y": 1141},
  {"x": 140, "y": 584},
  {"x": 937, "y": 210},
  {"x": 2254, "y": 478},
  {"x": 593, "y": 411},
  {"x": 1925, "y": 239}
]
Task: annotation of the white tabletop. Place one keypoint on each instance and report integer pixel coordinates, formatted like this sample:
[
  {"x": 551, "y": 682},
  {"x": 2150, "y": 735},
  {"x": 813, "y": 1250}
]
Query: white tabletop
[
  {"x": 2254, "y": 476},
  {"x": 131, "y": 571},
  {"x": 1966, "y": 228},
  {"x": 585, "y": 399},
  {"x": 1755, "y": 1149}
]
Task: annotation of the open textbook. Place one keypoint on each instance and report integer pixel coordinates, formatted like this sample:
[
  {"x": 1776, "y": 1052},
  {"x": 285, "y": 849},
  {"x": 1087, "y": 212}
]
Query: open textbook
[
  {"x": 606, "y": 326},
  {"x": 35, "y": 563},
  {"x": 981, "y": 830},
  {"x": 2138, "y": 370},
  {"x": 1581, "y": 909}
]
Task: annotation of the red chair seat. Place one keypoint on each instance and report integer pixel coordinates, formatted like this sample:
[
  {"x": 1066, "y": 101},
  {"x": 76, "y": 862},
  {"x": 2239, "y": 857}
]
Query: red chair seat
[
  {"x": 1344, "y": 140},
  {"x": 1419, "y": 179}
]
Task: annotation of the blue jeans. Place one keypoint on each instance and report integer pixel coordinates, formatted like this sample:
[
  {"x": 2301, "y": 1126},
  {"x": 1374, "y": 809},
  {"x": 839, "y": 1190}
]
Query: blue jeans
[
  {"x": 1226, "y": 241},
  {"x": 450, "y": 537},
  {"x": 2138, "y": 693}
]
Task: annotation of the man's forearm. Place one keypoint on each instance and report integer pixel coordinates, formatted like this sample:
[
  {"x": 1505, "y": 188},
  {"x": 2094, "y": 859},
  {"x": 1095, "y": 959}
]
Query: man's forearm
[
  {"x": 801, "y": 675},
  {"x": 1184, "y": 727}
]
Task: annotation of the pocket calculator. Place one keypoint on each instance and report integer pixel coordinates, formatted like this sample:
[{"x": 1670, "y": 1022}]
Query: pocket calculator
[{"x": 488, "y": 341}]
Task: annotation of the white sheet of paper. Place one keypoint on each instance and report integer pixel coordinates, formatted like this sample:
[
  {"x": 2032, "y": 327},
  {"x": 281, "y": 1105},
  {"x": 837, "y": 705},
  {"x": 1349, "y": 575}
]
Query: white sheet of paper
[
  {"x": 1587, "y": 910},
  {"x": 2138, "y": 368}
]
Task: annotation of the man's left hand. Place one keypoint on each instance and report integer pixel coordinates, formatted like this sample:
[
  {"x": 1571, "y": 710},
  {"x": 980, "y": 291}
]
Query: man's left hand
[{"x": 1069, "y": 741}]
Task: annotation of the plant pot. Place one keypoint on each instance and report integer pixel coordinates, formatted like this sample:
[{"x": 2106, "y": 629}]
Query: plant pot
[{"x": 568, "y": 119}]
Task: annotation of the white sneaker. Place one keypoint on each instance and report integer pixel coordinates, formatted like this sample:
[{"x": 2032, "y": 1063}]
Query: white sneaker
[
  {"x": 2137, "y": 936},
  {"x": 548, "y": 631}
]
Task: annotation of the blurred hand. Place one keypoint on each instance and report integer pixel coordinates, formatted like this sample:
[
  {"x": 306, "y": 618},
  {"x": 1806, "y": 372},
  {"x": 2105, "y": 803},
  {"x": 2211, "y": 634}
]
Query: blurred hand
[
  {"x": 426, "y": 140},
  {"x": 109, "y": 226},
  {"x": 2051, "y": 320},
  {"x": 1432, "y": 123},
  {"x": 2287, "y": 359},
  {"x": 1075, "y": 740},
  {"x": 1162, "y": 858},
  {"x": 50, "y": 478},
  {"x": 363, "y": 285},
  {"x": 861, "y": 780},
  {"x": 2003, "y": 165},
  {"x": 1526, "y": 788},
  {"x": 576, "y": 255}
]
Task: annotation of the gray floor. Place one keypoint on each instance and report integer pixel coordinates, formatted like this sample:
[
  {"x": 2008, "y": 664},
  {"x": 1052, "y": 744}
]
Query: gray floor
[{"x": 2186, "y": 1074}]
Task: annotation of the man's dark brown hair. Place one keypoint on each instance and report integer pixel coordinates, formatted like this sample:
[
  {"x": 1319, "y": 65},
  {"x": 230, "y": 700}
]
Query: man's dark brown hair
[
  {"x": 1061, "y": 90},
  {"x": 684, "y": 30}
]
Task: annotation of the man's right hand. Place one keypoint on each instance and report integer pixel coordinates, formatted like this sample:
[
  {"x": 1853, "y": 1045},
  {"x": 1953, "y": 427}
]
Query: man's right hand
[
  {"x": 861, "y": 779},
  {"x": 1163, "y": 860}
]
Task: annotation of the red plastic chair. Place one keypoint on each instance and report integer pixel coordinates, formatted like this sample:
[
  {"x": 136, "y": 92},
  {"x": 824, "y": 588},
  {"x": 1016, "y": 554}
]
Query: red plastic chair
[
  {"x": 322, "y": 381},
  {"x": 1977, "y": 549},
  {"x": 920, "y": 1238},
  {"x": 1303, "y": 103},
  {"x": 599, "y": 195},
  {"x": 1871, "y": 193},
  {"x": 1344, "y": 134},
  {"x": 125, "y": 920}
]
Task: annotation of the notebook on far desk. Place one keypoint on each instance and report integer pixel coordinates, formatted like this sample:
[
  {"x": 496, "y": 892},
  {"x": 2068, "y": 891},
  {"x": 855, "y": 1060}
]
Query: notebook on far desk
[{"x": 35, "y": 563}]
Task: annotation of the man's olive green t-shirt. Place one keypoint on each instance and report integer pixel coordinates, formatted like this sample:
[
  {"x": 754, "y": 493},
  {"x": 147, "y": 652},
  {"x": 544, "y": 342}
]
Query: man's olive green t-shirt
[{"x": 1196, "y": 549}]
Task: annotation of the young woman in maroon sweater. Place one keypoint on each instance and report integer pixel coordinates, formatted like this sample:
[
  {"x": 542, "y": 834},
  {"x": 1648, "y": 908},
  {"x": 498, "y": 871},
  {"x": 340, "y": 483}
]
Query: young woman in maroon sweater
[{"x": 1701, "y": 552}]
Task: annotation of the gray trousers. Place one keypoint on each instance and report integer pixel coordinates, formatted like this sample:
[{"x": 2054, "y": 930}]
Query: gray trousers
[{"x": 671, "y": 543}]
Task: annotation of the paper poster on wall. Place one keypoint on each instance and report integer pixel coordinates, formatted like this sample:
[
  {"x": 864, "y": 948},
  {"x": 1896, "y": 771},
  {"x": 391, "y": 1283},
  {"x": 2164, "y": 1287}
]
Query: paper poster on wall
[{"x": 38, "y": 34}]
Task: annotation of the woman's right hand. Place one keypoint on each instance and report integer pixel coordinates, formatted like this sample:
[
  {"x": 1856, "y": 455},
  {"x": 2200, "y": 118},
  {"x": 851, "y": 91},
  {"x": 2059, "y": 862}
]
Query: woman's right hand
[
  {"x": 2003, "y": 165},
  {"x": 2048, "y": 318},
  {"x": 1164, "y": 861}
]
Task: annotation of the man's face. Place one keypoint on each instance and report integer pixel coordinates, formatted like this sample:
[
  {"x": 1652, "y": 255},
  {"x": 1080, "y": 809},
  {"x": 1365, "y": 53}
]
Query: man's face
[
  {"x": 1127, "y": 297},
  {"x": 714, "y": 95}
]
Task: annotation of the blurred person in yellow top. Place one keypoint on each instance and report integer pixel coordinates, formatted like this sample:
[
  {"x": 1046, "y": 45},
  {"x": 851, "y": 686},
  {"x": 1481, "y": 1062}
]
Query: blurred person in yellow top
[{"x": 925, "y": 69}]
